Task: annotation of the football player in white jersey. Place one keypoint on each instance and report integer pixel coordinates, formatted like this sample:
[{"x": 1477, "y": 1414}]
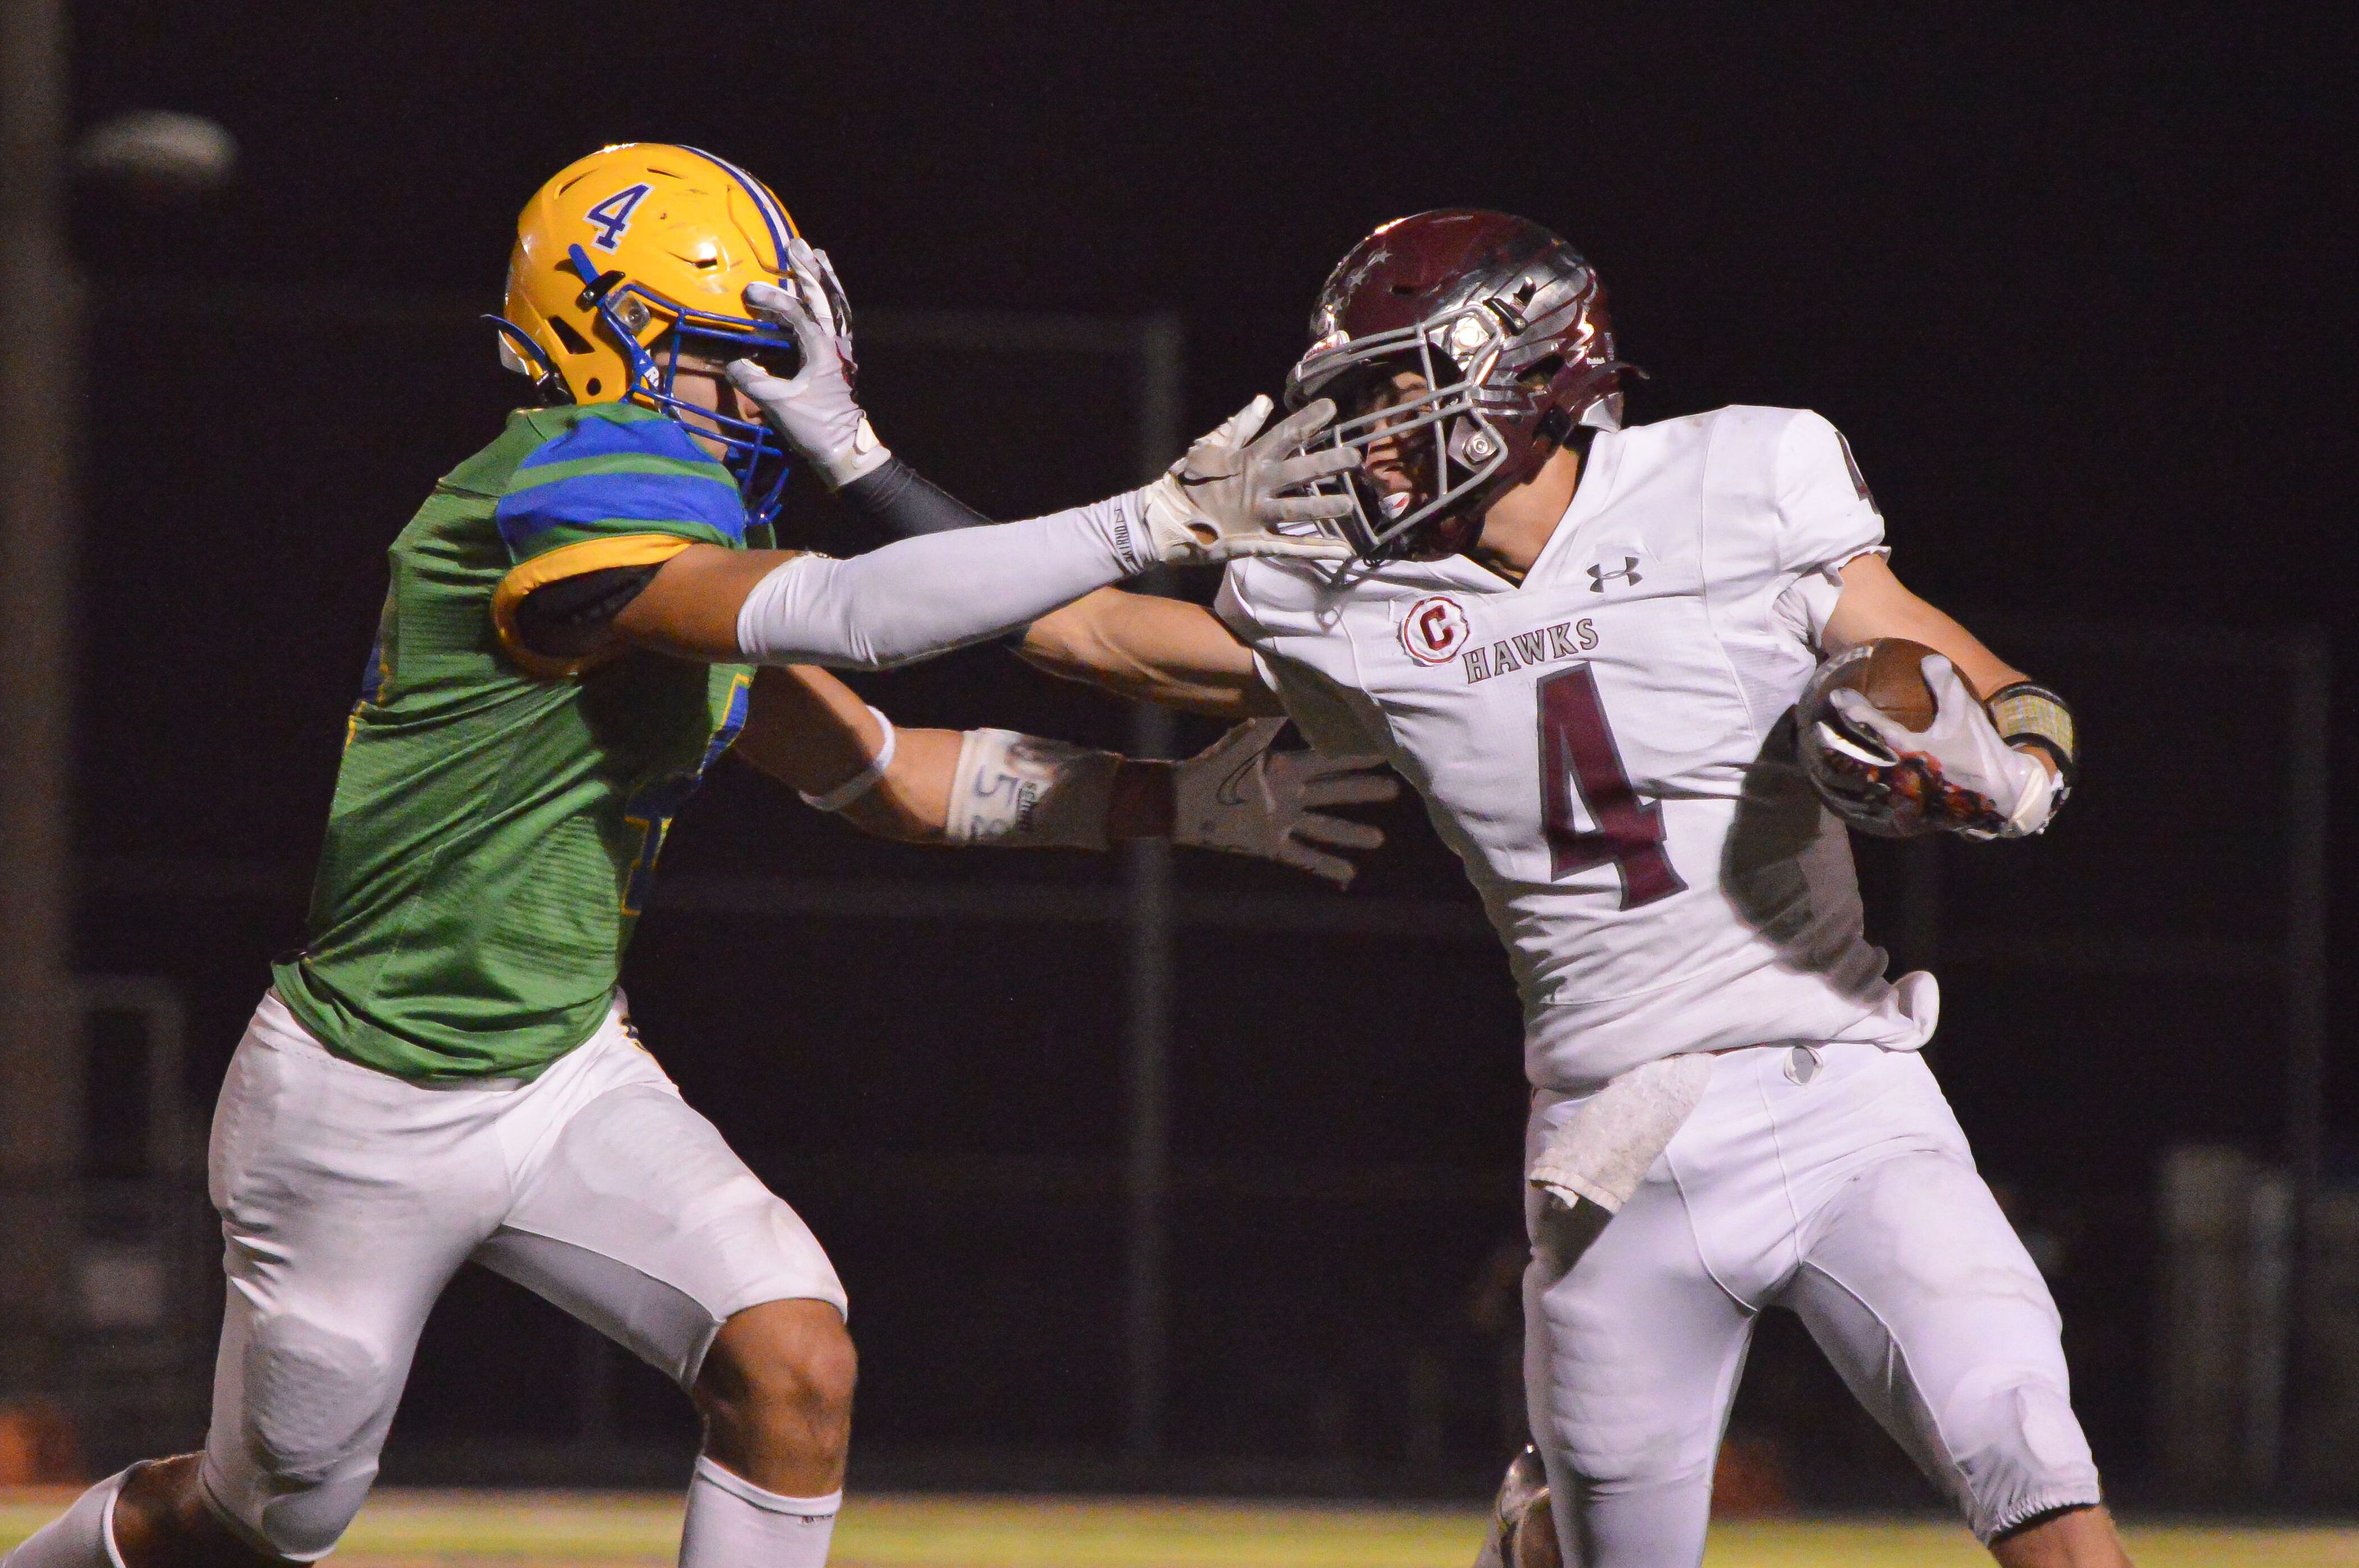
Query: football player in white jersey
[{"x": 1582, "y": 643}]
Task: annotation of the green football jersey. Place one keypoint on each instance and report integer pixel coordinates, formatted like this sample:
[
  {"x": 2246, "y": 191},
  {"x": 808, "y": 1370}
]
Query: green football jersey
[{"x": 497, "y": 814}]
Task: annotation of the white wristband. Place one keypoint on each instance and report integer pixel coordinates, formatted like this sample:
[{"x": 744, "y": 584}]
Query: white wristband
[
  {"x": 1020, "y": 792},
  {"x": 864, "y": 781}
]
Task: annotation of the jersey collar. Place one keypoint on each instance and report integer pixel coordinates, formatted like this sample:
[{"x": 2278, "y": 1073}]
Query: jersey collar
[{"x": 1603, "y": 467}]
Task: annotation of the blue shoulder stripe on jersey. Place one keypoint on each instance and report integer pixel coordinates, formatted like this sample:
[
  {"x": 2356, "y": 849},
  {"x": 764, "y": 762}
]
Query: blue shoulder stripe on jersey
[
  {"x": 597, "y": 435},
  {"x": 589, "y": 499}
]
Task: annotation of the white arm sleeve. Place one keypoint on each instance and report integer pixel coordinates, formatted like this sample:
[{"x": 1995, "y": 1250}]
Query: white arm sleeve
[{"x": 920, "y": 597}]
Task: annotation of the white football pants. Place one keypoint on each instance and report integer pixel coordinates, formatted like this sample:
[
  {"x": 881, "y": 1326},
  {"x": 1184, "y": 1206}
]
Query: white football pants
[
  {"x": 1834, "y": 1181},
  {"x": 349, "y": 1197}
]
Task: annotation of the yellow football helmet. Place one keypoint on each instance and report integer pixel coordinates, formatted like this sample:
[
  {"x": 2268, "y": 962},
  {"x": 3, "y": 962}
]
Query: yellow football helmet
[{"x": 633, "y": 255}]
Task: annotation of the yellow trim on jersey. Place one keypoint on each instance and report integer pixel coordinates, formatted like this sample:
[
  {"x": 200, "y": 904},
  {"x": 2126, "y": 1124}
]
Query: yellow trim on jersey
[{"x": 565, "y": 561}]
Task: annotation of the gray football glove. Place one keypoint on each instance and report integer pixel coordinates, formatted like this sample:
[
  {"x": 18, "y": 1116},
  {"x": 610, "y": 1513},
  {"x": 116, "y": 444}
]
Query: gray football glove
[
  {"x": 1239, "y": 795},
  {"x": 1223, "y": 499}
]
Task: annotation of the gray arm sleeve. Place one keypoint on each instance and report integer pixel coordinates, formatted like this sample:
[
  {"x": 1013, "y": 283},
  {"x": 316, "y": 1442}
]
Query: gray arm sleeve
[{"x": 917, "y": 597}]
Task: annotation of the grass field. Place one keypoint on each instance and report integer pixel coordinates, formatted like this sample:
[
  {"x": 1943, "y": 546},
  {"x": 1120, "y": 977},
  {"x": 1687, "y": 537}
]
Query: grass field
[{"x": 446, "y": 1529}]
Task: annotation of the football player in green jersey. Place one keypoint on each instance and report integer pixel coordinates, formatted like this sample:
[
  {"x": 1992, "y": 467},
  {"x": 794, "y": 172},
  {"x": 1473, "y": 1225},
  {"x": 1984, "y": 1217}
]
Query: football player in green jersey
[{"x": 447, "y": 1071}]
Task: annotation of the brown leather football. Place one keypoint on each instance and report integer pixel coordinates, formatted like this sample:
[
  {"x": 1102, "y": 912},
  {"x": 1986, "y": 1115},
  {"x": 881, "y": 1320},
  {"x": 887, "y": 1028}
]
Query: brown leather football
[
  {"x": 1892, "y": 677},
  {"x": 1858, "y": 774}
]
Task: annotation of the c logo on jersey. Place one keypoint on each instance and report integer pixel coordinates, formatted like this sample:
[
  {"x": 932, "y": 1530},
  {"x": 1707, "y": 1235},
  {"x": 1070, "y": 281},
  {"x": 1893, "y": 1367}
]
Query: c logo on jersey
[
  {"x": 613, "y": 215},
  {"x": 1434, "y": 629}
]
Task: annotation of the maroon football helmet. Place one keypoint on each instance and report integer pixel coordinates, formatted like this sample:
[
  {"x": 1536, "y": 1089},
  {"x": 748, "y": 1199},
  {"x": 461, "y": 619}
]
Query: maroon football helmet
[{"x": 1507, "y": 326}]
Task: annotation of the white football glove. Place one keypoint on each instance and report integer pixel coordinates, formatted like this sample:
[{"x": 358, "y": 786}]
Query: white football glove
[
  {"x": 814, "y": 410},
  {"x": 1239, "y": 795},
  {"x": 1218, "y": 502},
  {"x": 1963, "y": 748}
]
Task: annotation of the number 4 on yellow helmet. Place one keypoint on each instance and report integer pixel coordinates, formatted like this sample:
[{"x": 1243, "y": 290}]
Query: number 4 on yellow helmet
[{"x": 635, "y": 256}]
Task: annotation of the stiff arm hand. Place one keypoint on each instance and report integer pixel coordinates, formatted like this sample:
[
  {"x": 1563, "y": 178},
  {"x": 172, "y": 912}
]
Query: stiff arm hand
[{"x": 1225, "y": 497}]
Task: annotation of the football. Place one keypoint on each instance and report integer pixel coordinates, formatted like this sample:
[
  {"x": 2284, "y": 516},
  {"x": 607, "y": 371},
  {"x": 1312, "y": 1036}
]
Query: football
[
  {"x": 1890, "y": 673},
  {"x": 1876, "y": 797}
]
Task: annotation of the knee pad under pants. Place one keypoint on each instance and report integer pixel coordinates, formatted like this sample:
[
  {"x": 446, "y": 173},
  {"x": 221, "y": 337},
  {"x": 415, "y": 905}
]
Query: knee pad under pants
[
  {"x": 1632, "y": 1355},
  {"x": 300, "y": 1411}
]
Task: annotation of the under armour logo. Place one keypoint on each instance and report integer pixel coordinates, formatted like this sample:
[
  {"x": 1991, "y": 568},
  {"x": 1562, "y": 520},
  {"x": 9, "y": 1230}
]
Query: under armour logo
[{"x": 1599, "y": 577}]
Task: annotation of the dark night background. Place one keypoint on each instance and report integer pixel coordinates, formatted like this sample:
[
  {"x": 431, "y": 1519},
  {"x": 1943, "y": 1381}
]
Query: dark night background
[{"x": 2074, "y": 280}]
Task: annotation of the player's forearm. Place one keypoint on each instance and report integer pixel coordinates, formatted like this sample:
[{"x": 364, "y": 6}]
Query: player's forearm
[
  {"x": 1875, "y": 603},
  {"x": 908, "y": 800},
  {"x": 1164, "y": 651},
  {"x": 920, "y": 597},
  {"x": 1098, "y": 639},
  {"x": 996, "y": 789},
  {"x": 958, "y": 787},
  {"x": 913, "y": 801},
  {"x": 903, "y": 602},
  {"x": 809, "y": 731},
  {"x": 1081, "y": 641}
]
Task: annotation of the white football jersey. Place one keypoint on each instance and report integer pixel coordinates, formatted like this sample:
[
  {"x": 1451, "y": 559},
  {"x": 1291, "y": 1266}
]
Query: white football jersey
[{"x": 1603, "y": 744}]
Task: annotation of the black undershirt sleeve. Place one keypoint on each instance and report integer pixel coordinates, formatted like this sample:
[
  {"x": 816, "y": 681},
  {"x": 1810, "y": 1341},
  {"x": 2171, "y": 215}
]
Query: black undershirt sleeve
[
  {"x": 567, "y": 619},
  {"x": 903, "y": 503}
]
